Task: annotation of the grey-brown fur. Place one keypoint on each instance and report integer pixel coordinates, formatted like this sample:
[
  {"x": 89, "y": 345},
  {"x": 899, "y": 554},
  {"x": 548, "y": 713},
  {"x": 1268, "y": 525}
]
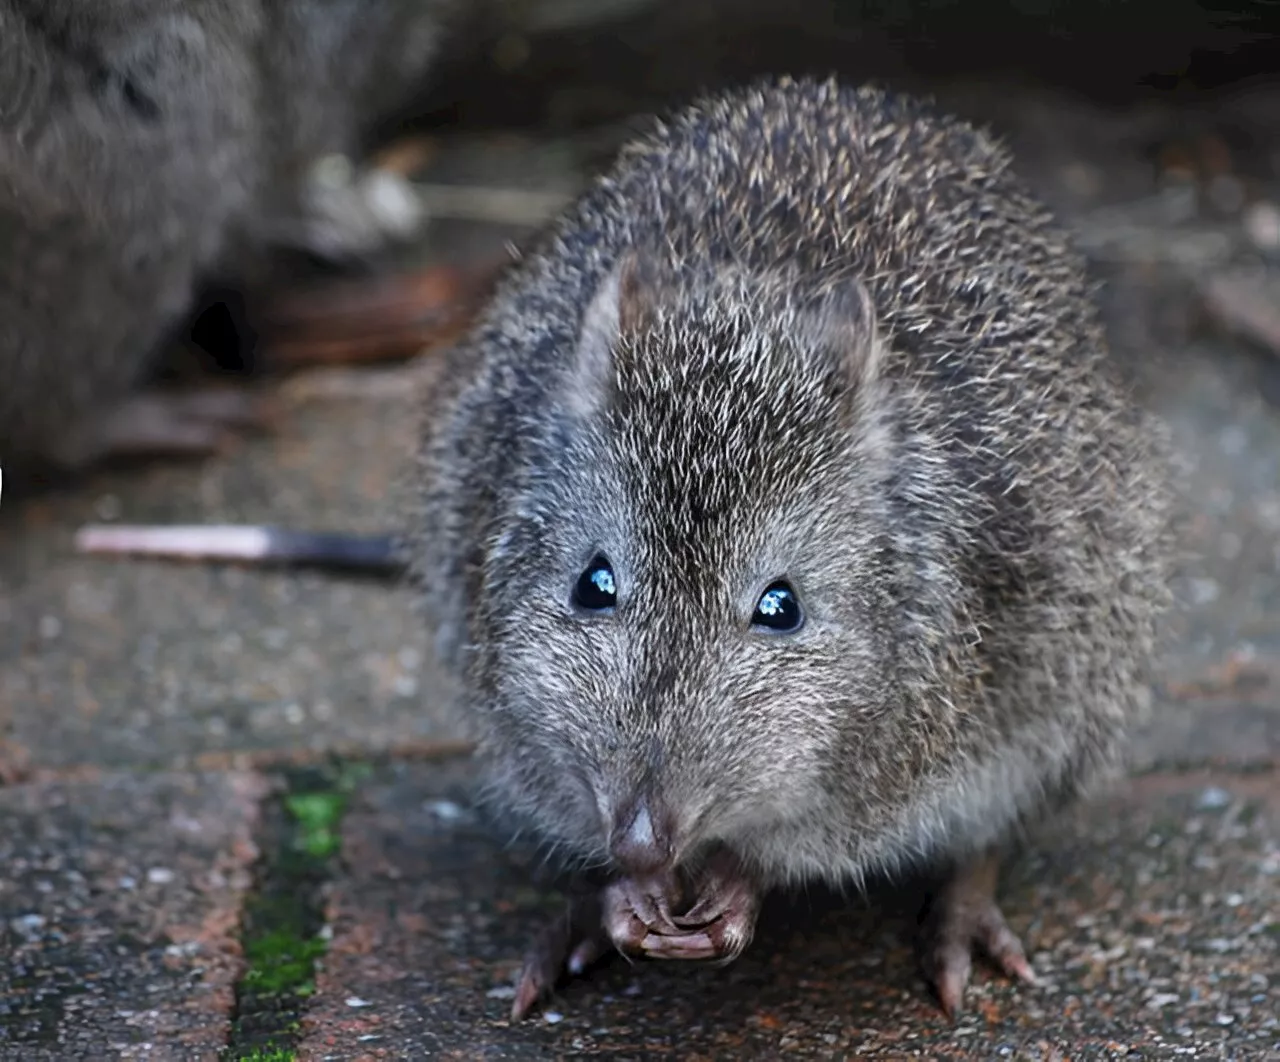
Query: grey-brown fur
[
  {"x": 853, "y": 351},
  {"x": 146, "y": 142}
]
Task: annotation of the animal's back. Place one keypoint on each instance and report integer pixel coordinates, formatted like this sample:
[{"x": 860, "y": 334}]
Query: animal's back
[{"x": 815, "y": 181}]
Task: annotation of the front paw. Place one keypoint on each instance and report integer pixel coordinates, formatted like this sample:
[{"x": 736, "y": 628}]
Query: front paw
[
  {"x": 718, "y": 924},
  {"x": 637, "y": 916}
]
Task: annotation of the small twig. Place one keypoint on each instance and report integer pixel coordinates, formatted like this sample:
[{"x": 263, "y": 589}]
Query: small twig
[{"x": 243, "y": 543}]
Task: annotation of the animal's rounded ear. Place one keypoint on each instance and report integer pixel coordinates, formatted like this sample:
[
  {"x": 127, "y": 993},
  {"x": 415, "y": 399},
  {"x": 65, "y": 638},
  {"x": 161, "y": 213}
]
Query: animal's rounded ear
[
  {"x": 621, "y": 303},
  {"x": 838, "y": 325}
]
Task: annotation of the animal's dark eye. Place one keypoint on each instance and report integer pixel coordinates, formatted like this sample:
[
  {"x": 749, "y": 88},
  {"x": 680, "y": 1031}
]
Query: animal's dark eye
[
  {"x": 778, "y": 610},
  {"x": 595, "y": 589}
]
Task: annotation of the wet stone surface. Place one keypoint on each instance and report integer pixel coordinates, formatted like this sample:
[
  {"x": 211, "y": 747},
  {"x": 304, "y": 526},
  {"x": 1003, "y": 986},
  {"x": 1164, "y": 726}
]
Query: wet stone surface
[
  {"x": 1151, "y": 917},
  {"x": 119, "y": 912}
]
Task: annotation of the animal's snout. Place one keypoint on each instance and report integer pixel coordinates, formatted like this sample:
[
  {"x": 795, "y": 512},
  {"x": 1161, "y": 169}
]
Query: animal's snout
[{"x": 641, "y": 840}]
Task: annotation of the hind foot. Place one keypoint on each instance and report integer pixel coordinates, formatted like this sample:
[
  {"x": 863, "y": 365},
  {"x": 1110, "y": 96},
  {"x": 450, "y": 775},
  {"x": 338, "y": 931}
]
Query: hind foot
[
  {"x": 962, "y": 917},
  {"x": 572, "y": 942}
]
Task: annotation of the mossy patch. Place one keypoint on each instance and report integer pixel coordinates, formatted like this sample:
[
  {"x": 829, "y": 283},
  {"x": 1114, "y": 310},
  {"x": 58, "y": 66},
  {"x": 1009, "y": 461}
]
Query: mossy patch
[
  {"x": 268, "y": 1054},
  {"x": 318, "y": 816},
  {"x": 283, "y": 927},
  {"x": 282, "y": 961}
]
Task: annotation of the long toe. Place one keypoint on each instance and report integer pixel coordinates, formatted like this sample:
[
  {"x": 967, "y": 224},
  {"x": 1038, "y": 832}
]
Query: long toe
[
  {"x": 157, "y": 424},
  {"x": 947, "y": 967},
  {"x": 542, "y": 965},
  {"x": 1001, "y": 945}
]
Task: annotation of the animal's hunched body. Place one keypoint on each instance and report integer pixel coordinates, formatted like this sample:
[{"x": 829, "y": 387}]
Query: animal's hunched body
[
  {"x": 801, "y": 344},
  {"x": 144, "y": 143}
]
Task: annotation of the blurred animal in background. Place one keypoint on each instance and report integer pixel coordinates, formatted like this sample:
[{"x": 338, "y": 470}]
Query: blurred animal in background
[{"x": 148, "y": 144}]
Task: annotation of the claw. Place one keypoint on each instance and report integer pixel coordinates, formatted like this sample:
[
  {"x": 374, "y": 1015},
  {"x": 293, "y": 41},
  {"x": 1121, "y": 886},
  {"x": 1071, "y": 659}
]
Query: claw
[
  {"x": 530, "y": 987},
  {"x": 1002, "y": 946}
]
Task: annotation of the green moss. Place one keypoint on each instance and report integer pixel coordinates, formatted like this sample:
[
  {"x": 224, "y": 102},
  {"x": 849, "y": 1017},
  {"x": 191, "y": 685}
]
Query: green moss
[
  {"x": 282, "y": 961},
  {"x": 318, "y": 815},
  {"x": 266, "y": 1054},
  {"x": 281, "y": 930}
]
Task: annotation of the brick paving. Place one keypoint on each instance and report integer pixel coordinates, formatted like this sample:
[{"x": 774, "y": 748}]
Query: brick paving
[
  {"x": 1151, "y": 918},
  {"x": 120, "y": 901}
]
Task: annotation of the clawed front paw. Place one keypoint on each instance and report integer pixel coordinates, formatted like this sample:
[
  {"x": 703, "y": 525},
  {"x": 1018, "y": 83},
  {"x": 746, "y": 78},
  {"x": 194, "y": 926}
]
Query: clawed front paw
[
  {"x": 720, "y": 923},
  {"x": 635, "y": 908},
  {"x": 636, "y": 916}
]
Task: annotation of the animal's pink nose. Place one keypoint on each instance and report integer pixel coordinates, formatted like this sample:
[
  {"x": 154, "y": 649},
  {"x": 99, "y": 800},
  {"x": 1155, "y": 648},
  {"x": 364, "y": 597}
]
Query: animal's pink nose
[{"x": 640, "y": 842}]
